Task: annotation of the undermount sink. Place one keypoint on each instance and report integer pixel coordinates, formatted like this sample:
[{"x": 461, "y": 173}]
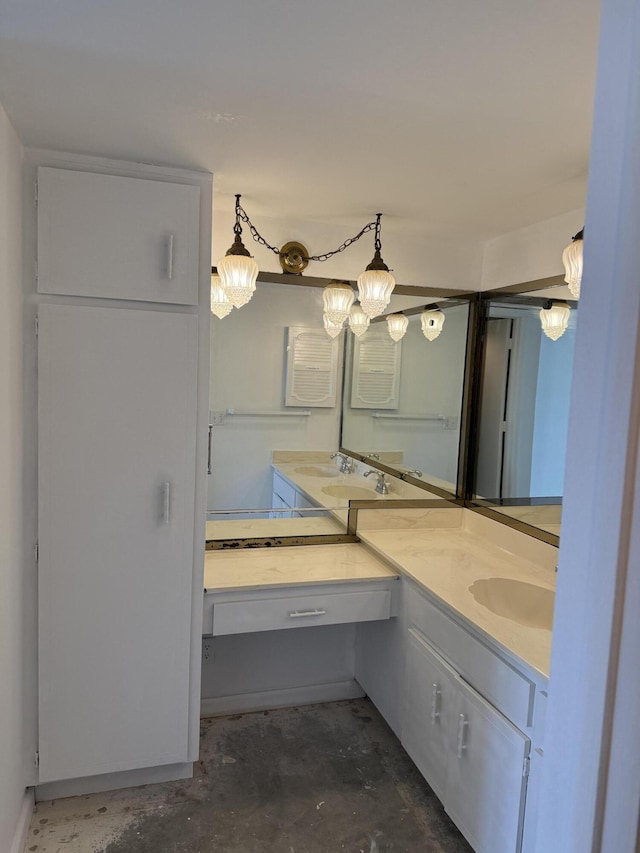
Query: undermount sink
[
  {"x": 317, "y": 471},
  {"x": 524, "y": 603},
  {"x": 349, "y": 492}
]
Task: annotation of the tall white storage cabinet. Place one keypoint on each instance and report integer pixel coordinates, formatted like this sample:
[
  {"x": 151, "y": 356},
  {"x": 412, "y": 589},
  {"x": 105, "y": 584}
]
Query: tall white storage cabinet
[{"x": 120, "y": 473}]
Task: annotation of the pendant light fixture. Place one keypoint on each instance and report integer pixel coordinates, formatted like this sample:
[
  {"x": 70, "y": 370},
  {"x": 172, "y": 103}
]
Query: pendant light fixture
[
  {"x": 220, "y": 305},
  {"x": 554, "y": 318},
  {"x": 337, "y": 299},
  {"x": 397, "y": 325},
  {"x": 432, "y": 321},
  {"x": 331, "y": 328},
  {"x": 358, "y": 321},
  {"x": 376, "y": 283},
  {"x": 572, "y": 260},
  {"x": 238, "y": 271}
]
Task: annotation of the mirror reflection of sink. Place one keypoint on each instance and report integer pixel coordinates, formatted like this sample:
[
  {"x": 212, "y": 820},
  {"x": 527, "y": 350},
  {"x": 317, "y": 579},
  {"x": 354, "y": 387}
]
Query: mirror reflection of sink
[
  {"x": 349, "y": 492},
  {"x": 317, "y": 471},
  {"x": 524, "y": 603}
]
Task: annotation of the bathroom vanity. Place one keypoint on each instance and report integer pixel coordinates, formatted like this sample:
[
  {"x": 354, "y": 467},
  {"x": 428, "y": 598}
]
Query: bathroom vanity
[{"x": 417, "y": 618}]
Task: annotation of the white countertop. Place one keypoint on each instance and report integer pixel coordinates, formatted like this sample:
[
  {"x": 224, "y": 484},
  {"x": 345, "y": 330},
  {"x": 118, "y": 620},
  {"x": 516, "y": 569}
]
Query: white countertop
[
  {"x": 446, "y": 562},
  {"x": 298, "y": 564}
]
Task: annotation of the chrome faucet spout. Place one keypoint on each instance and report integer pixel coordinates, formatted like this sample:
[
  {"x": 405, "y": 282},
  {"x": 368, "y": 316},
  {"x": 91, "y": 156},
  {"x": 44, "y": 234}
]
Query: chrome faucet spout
[
  {"x": 346, "y": 464},
  {"x": 382, "y": 487}
]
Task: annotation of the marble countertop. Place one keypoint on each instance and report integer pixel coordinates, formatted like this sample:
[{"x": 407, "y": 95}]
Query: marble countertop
[
  {"x": 446, "y": 562},
  {"x": 313, "y": 487},
  {"x": 304, "y": 564}
]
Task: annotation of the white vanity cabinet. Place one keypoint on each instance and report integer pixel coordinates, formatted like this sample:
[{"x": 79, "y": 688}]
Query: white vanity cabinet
[
  {"x": 474, "y": 758},
  {"x": 286, "y": 497},
  {"x": 468, "y": 723},
  {"x": 117, "y": 237}
]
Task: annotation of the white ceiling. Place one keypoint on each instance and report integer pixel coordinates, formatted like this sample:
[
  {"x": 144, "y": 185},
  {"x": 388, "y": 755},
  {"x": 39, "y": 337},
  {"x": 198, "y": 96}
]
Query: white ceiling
[{"x": 450, "y": 116}]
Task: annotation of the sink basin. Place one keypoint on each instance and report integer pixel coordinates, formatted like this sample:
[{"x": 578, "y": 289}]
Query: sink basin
[
  {"x": 524, "y": 603},
  {"x": 317, "y": 471},
  {"x": 349, "y": 492}
]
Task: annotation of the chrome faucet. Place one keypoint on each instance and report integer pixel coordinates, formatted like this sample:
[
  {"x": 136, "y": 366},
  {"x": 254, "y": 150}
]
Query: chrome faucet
[
  {"x": 382, "y": 487},
  {"x": 346, "y": 464},
  {"x": 371, "y": 456}
]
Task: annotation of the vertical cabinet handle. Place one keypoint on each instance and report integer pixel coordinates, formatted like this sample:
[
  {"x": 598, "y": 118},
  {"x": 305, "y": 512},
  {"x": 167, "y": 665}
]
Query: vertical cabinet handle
[
  {"x": 209, "y": 470},
  {"x": 170, "y": 257},
  {"x": 435, "y": 703},
  {"x": 463, "y": 723},
  {"x": 166, "y": 503}
]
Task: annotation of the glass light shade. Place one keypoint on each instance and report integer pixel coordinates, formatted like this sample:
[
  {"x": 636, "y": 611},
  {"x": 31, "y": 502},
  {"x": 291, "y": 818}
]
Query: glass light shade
[
  {"x": 432, "y": 322},
  {"x": 555, "y": 320},
  {"x": 397, "y": 325},
  {"x": 238, "y": 274},
  {"x": 358, "y": 321},
  {"x": 374, "y": 291},
  {"x": 337, "y": 300},
  {"x": 332, "y": 329},
  {"x": 572, "y": 260},
  {"x": 220, "y": 305}
]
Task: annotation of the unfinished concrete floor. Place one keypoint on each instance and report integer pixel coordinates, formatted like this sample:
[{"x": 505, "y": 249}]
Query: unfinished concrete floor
[{"x": 314, "y": 779}]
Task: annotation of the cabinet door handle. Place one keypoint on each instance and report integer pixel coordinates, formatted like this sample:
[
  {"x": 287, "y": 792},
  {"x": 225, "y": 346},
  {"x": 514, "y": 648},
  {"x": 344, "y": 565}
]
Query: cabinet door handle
[
  {"x": 463, "y": 723},
  {"x": 435, "y": 702},
  {"x": 299, "y": 614},
  {"x": 166, "y": 503},
  {"x": 209, "y": 469},
  {"x": 170, "y": 257}
]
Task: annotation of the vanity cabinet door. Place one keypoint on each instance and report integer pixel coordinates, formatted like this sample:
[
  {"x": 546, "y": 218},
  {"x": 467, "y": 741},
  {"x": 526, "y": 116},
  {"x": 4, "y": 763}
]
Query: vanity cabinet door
[
  {"x": 429, "y": 712},
  {"x": 487, "y": 775},
  {"x": 116, "y": 468},
  {"x": 117, "y": 237}
]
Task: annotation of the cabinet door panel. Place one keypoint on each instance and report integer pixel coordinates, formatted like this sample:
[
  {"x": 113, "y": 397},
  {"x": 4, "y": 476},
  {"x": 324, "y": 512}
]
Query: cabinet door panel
[
  {"x": 486, "y": 786},
  {"x": 117, "y": 237},
  {"x": 117, "y": 423},
  {"x": 429, "y": 709}
]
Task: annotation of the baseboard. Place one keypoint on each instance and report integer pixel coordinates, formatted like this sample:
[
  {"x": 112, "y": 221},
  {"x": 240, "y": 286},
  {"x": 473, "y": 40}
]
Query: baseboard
[
  {"x": 22, "y": 828},
  {"x": 267, "y": 699},
  {"x": 113, "y": 781}
]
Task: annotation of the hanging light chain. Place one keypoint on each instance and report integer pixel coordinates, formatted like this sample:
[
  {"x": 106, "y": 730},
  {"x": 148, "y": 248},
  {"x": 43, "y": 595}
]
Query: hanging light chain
[
  {"x": 325, "y": 257},
  {"x": 241, "y": 214}
]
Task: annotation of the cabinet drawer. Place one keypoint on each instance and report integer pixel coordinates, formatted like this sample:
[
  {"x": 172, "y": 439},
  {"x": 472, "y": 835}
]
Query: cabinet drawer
[
  {"x": 507, "y": 689},
  {"x": 284, "y": 489},
  {"x": 271, "y": 614},
  {"x": 117, "y": 237}
]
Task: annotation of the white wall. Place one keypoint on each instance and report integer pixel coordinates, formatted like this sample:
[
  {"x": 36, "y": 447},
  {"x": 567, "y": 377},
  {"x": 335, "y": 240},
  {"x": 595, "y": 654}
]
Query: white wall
[
  {"x": 551, "y": 420},
  {"x": 12, "y": 654},
  {"x": 529, "y": 253},
  {"x": 431, "y": 377},
  {"x": 248, "y": 372}
]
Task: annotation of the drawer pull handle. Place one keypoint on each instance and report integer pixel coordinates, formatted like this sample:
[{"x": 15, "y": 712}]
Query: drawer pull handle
[
  {"x": 299, "y": 614},
  {"x": 170, "y": 257},
  {"x": 166, "y": 503},
  {"x": 435, "y": 703},
  {"x": 463, "y": 724}
]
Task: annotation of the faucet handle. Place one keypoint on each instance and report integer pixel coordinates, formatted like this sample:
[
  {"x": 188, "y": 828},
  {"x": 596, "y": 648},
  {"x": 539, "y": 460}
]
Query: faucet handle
[{"x": 413, "y": 471}]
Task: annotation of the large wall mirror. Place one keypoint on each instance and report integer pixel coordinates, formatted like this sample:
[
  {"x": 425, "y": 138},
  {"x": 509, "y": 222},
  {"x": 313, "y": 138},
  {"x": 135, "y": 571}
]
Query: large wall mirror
[
  {"x": 402, "y": 400},
  {"x": 276, "y": 396},
  {"x": 523, "y": 407}
]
